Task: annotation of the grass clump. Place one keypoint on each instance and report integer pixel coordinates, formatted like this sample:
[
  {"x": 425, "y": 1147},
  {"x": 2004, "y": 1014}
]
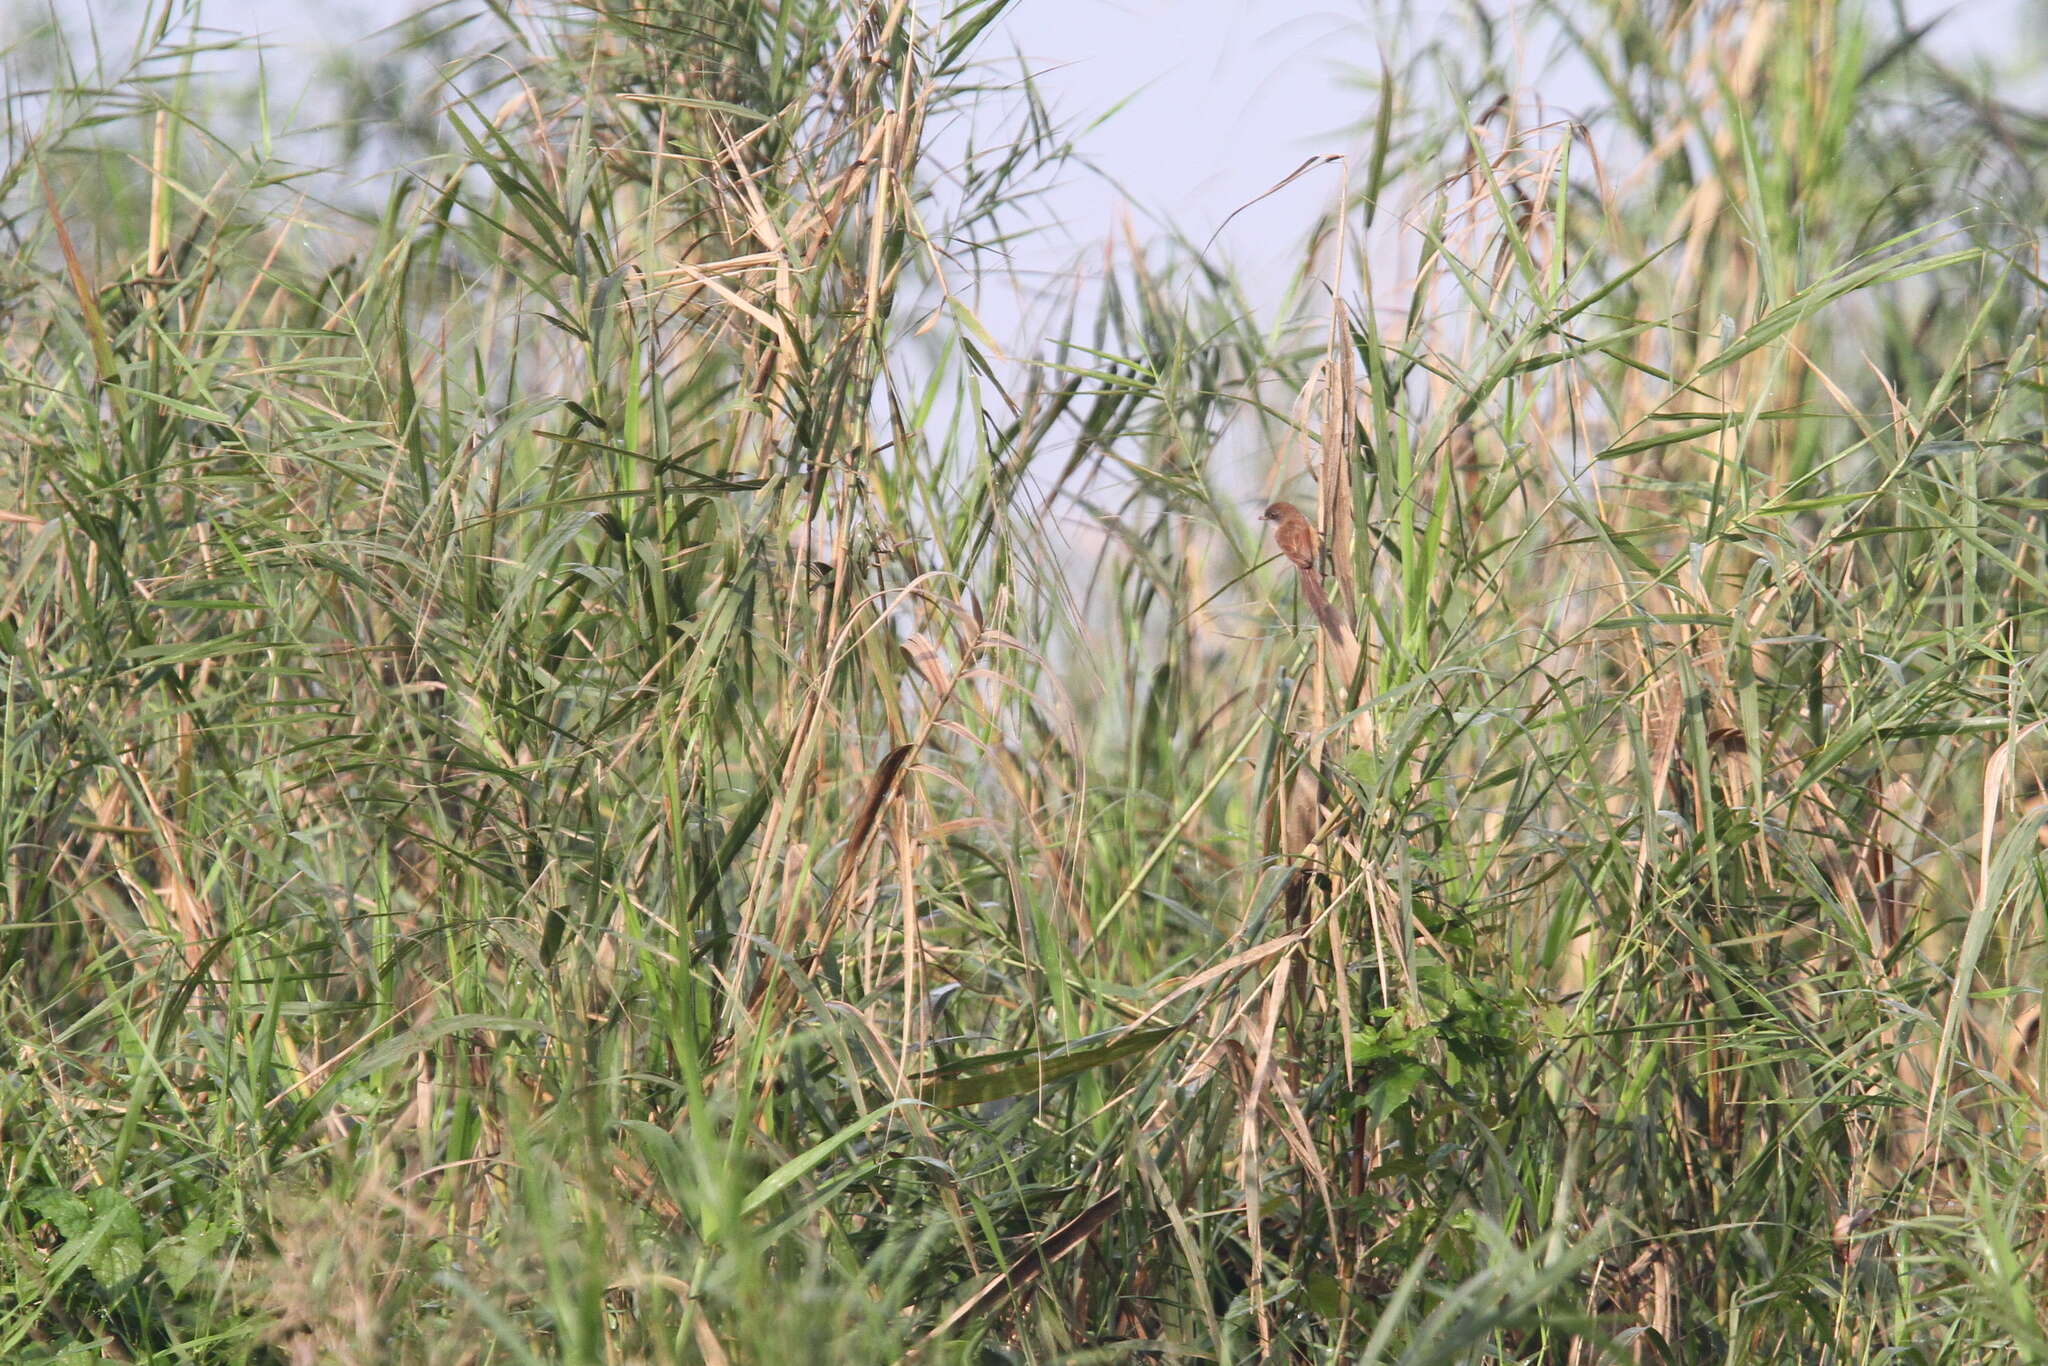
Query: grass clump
[{"x": 591, "y": 773}]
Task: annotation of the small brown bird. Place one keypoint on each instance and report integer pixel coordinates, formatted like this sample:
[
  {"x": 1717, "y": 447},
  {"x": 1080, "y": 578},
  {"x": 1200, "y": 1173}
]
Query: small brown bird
[{"x": 1297, "y": 541}]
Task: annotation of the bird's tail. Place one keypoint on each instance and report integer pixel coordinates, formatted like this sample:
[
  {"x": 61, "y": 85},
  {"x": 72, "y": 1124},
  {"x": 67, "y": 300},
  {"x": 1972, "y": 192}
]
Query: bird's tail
[{"x": 1319, "y": 603}]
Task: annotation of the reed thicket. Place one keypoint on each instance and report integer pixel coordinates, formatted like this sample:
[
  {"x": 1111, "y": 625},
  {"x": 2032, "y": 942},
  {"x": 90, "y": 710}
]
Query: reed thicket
[{"x": 592, "y": 773}]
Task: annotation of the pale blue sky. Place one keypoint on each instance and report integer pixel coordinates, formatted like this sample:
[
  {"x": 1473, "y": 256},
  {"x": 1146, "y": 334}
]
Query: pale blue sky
[
  {"x": 1227, "y": 95},
  {"x": 1224, "y": 97}
]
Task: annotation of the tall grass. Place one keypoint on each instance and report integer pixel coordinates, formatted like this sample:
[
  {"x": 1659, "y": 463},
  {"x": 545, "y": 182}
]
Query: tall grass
[{"x": 592, "y": 773}]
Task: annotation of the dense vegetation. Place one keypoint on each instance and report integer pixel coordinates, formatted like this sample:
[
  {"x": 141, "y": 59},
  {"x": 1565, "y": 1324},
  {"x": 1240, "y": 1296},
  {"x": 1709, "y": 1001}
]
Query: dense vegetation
[{"x": 592, "y": 773}]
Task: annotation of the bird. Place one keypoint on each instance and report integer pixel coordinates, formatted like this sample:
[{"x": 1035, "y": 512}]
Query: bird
[{"x": 1297, "y": 540}]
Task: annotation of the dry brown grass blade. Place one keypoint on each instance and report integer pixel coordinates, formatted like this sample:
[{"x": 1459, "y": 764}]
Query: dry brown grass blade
[
  {"x": 88, "y": 299},
  {"x": 879, "y": 789},
  {"x": 859, "y": 835},
  {"x": 1028, "y": 1267}
]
